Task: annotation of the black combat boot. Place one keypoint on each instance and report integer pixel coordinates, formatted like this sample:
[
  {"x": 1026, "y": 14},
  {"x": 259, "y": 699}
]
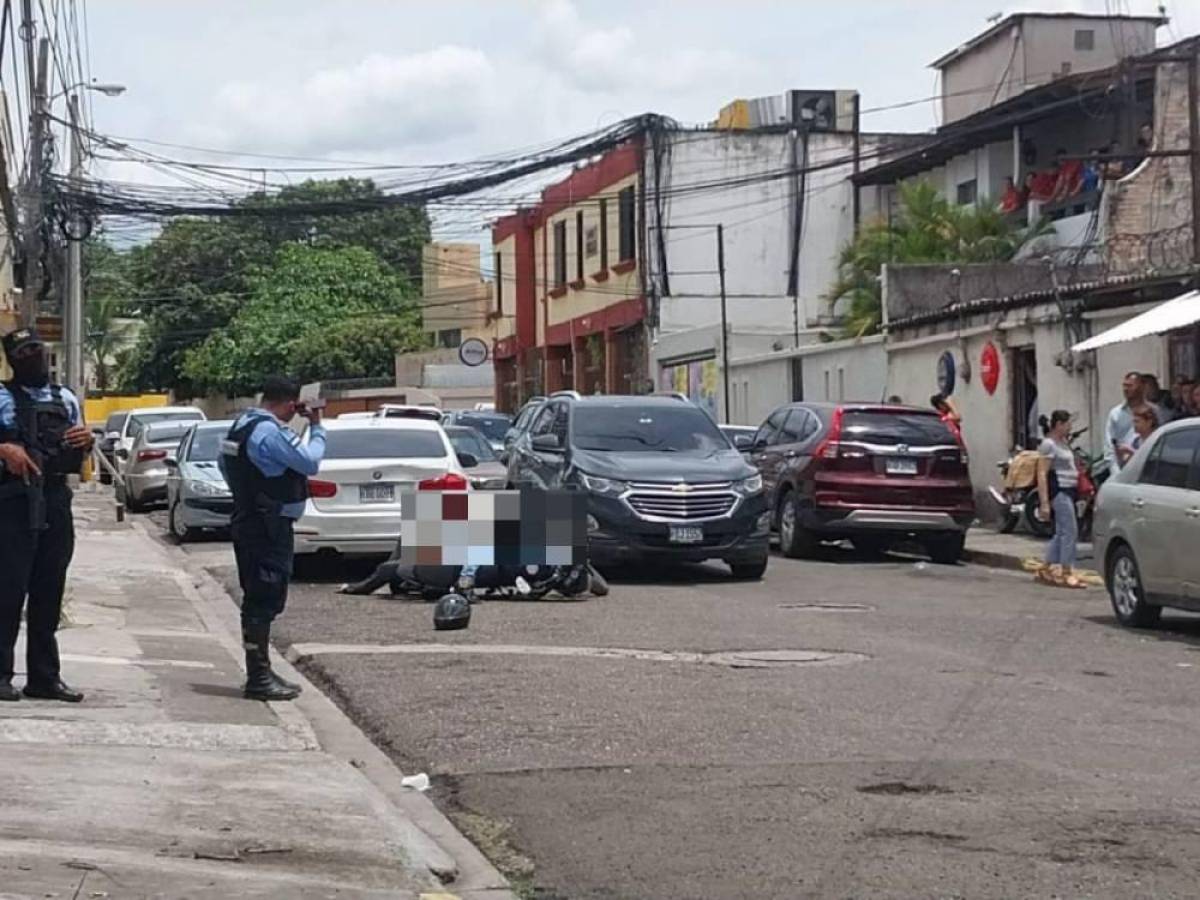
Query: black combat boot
[
  {"x": 8, "y": 692},
  {"x": 261, "y": 682}
]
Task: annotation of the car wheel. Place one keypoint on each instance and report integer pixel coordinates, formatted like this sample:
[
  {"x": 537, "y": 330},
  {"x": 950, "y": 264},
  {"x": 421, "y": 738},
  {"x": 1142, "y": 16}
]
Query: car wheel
[
  {"x": 795, "y": 540},
  {"x": 181, "y": 532},
  {"x": 133, "y": 504},
  {"x": 1040, "y": 527},
  {"x": 946, "y": 550},
  {"x": 749, "y": 571},
  {"x": 1126, "y": 591},
  {"x": 1010, "y": 522}
]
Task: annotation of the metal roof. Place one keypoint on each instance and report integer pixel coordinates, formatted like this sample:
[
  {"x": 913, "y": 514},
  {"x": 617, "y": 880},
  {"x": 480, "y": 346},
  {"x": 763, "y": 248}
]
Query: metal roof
[{"x": 983, "y": 305}]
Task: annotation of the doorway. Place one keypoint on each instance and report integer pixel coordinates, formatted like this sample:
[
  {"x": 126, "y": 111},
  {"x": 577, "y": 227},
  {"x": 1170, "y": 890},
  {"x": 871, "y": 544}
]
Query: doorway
[{"x": 1025, "y": 431}]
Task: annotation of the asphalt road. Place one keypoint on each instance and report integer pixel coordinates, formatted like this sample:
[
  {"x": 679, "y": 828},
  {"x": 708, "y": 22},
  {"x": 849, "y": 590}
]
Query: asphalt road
[{"x": 960, "y": 732}]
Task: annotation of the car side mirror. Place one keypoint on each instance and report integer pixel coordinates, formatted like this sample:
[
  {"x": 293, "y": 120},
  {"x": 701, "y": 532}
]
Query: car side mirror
[
  {"x": 171, "y": 463},
  {"x": 468, "y": 460},
  {"x": 546, "y": 443},
  {"x": 758, "y": 444},
  {"x": 743, "y": 442},
  {"x": 122, "y": 453}
]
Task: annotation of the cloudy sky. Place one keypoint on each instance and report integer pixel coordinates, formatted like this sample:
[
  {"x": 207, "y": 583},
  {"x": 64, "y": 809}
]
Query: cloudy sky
[{"x": 406, "y": 82}]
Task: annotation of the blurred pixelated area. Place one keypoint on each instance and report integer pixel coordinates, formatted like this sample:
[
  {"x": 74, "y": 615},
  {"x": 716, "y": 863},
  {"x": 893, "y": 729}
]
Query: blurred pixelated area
[{"x": 493, "y": 528}]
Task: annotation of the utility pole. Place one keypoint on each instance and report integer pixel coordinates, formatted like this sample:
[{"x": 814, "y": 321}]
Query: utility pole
[
  {"x": 32, "y": 199},
  {"x": 73, "y": 305},
  {"x": 1194, "y": 144},
  {"x": 724, "y": 318}
]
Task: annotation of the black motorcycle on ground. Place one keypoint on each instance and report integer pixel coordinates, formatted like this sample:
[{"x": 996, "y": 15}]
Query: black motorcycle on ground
[{"x": 483, "y": 583}]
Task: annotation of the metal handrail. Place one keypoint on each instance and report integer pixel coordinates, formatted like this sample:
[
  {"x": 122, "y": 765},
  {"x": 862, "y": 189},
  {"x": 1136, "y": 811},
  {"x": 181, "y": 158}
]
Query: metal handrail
[{"x": 118, "y": 481}]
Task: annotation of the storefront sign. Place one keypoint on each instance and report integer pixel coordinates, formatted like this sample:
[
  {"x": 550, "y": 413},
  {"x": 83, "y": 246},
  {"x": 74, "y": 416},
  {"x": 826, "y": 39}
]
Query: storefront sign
[
  {"x": 989, "y": 367},
  {"x": 945, "y": 373}
]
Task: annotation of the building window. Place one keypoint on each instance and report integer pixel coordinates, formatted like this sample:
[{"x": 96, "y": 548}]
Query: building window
[
  {"x": 1085, "y": 39},
  {"x": 450, "y": 338},
  {"x": 498, "y": 275},
  {"x": 627, "y": 224},
  {"x": 603, "y": 233},
  {"x": 967, "y": 192},
  {"x": 579, "y": 246},
  {"x": 560, "y": 254}
]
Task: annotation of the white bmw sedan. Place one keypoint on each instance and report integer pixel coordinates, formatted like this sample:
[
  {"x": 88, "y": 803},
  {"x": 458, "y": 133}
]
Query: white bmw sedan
[{"x": 354, "y": 500}]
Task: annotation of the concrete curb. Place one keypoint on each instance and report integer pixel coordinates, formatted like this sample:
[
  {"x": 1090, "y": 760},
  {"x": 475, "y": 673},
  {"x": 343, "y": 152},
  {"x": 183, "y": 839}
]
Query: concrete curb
[
  {"x": 430, "y": 838},
  {"x": 1012, "y": 562}
]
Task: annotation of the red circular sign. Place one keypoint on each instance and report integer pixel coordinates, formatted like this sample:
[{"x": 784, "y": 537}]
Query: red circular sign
[{"x": 989, "y": 367}]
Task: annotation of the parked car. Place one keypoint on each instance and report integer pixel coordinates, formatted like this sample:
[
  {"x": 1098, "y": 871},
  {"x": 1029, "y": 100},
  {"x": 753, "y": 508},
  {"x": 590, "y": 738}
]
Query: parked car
[
  {"x": 108, "y": 441},
  {"x": 146, "y": 470},
  {"x": 1147, "y": 527},
  {"x": 492, "y": 425},
  {"x": 137, "y": 419},
  {"x": 520, "y": 424},
  {"x": 198, "y": 498},
  {"x": 874, "y": 474},
  {"x": 409, "y": 411},
  {"x": 740, "y": 436},
  {"x": 357, "y": 415},
  {"x": 354, "y": 502},
  {"x": 663, "y": 483},
  {"x": 489, "y": 474}
]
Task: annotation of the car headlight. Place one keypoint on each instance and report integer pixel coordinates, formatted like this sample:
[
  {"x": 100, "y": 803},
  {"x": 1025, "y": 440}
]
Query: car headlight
[
  {"x": 208, "y": 489},
  {"x": 607, "y": 487},
  {"x": 748, "y": 487}
]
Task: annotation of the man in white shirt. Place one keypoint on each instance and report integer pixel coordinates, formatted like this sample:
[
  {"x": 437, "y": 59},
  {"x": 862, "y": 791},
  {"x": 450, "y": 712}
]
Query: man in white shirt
[{"x": 1118, "y": 429}]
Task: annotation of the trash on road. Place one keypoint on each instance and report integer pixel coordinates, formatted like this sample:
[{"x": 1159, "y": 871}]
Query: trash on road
[{"x": 418, "y": 782}]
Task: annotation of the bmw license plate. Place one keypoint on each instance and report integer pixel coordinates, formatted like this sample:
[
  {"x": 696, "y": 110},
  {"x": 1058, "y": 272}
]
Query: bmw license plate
[
  {"x": 683, "y": 534},
  {"x": 376, "y": 493},
  {"x": 901, "y": 466}
]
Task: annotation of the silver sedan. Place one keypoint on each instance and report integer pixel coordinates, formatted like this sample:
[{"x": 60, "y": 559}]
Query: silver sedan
[
  {"x": 197, "y": 496},
  {"x": 1147, "y": 527}
]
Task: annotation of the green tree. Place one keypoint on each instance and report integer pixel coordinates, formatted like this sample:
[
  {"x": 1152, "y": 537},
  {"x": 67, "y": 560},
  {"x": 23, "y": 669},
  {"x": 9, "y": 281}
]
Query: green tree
[
  {"x": 309, "y": 292},
  {"x": 361, "y": 347},
  {"x": 189, "y": 281},
  {"x": 927, "y": 229}
]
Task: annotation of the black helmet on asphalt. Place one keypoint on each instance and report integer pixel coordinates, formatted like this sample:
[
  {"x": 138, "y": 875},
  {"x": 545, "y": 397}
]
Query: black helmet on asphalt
[{"x": 452, "y": 612}]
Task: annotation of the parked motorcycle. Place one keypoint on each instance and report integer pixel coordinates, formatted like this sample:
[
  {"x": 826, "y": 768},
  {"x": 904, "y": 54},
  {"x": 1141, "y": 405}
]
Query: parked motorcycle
[{"x": 1018, "y": 498}]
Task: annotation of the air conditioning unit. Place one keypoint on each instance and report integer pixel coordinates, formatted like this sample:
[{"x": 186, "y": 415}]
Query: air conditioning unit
[{"x": 822, "y": 110}]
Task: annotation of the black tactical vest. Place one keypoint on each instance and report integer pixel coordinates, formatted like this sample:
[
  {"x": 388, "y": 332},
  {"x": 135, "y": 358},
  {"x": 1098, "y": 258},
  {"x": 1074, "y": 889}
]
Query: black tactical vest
[
  {"x": 253, "y": 492},
  {"x": 39, "y": 426}
]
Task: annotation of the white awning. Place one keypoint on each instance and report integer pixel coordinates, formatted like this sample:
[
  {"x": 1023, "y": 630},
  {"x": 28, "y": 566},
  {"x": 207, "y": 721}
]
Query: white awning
[{"x": 1167, "y": 316}]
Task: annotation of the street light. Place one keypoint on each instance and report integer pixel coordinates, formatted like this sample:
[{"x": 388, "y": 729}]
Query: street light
[
  {"x": 73, "y": 308},
  {"x": 108, "y": 89}
]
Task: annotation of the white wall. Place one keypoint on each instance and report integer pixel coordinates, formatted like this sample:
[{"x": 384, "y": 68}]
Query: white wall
[
  {"x": 758, "y": 224},
  {"x": 987, "y": 419},
  {"x": 843, "y": 371}
]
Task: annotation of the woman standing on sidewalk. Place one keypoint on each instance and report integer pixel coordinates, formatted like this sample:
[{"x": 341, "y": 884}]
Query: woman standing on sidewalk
[{"x": 1058, "y": 482}]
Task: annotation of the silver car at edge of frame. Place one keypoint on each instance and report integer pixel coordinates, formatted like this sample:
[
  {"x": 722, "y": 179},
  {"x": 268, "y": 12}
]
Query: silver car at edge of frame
[
  {"x": 146, "y": 468},
  {"x": 197, "y": 497},
  {"x": 1147, "y": 527}
]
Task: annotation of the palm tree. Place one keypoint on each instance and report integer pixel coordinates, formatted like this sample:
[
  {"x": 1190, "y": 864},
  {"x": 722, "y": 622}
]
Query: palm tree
[
  {"x": 928, "y": 229},
  {"x": 104, "y": 337}
]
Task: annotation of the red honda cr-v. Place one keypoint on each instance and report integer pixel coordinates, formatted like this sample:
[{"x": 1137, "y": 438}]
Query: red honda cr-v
[{"x": 874, "y": 474}]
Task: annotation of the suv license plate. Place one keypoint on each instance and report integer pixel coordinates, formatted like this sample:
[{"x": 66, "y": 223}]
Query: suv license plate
[
  {"x": 901, "y": 466},
  {"x": 376, "y": 493},
  {"x": 685, "y": 535}
]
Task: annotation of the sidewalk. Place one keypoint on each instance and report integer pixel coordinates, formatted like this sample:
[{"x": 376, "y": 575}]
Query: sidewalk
[
  {"x": 988, "y": 547},
  {"x": 166, "y": 783}
]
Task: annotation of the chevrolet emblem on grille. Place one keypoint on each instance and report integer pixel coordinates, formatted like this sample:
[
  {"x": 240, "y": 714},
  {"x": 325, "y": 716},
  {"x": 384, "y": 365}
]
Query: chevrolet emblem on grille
[{"x": 681, "y": 488}]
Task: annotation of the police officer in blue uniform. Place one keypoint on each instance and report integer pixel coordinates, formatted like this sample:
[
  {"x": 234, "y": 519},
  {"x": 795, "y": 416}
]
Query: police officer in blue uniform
[
  {"x": 43, "y": 439},
  {"x": 266, "y": 466}
]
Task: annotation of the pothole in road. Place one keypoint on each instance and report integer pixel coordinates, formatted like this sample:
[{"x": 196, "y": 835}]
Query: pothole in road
[
  {"x": 735, "y": 659},
  {"x": 901, "y": 788},
  {"x": 828, "y": 607}
]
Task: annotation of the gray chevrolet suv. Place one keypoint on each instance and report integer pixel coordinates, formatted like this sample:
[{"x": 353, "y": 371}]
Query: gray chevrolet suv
[{"x": 663, "y": 483}]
